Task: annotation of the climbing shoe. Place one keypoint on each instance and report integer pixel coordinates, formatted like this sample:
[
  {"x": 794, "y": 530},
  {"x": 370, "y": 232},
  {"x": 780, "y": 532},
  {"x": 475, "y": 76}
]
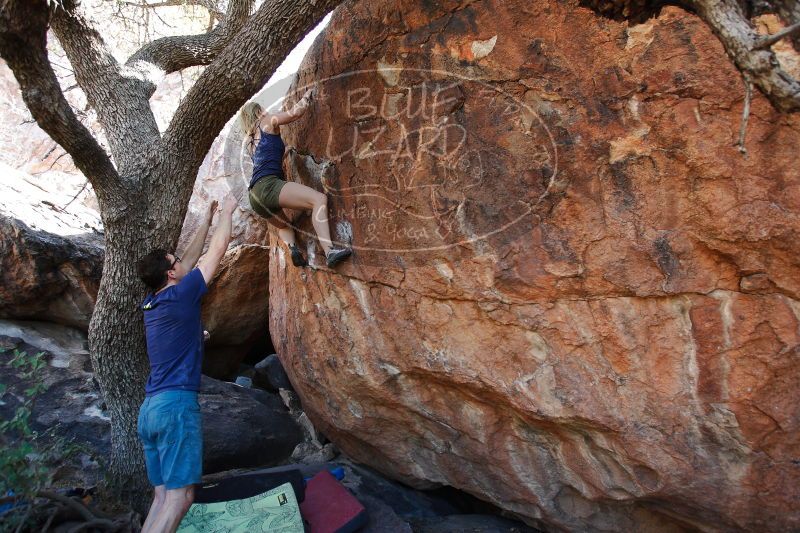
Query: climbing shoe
[
  {"x": 336, "y": 256},
  {"x": 297, "y": 256}
]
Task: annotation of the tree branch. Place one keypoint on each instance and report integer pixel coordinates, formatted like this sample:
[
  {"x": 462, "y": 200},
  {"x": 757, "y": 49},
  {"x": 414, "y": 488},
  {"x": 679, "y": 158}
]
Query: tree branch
[
  {"x": 72, "y": 503},
  {"x": 171, "y": 54},
  {"x": 116, "y": 94},
  {"x": 748, "y": 95},
  {"x": 728, "y": 22},
  {"x": 210, "y": 5},
  {"x": 65, "y": 206},
  {"x": 23, "y": 44},
  {"x": 769, "y": 40},
  {"x": 789, "y": 12}
]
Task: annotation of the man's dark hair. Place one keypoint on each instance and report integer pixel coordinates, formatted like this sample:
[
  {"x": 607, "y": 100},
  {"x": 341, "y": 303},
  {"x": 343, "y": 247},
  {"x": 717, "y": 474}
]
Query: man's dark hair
[{"x": 153, "y": 268}]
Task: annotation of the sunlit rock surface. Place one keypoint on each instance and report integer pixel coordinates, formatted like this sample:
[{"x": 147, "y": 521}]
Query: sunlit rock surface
[
  {"x": 51, "y": 258},
  {"x": 571, "y": 294}
]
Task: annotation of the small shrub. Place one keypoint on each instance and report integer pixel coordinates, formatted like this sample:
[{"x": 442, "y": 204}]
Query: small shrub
[{"x": 30, "y": 458}]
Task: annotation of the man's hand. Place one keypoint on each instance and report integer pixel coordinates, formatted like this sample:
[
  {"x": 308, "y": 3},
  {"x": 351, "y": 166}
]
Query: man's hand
[
  {"x": 219, "y": 242},
  {"x": 212, "y": 208},
  {"x": 229, "y": 203},
  {"x": 195, "y": 248}
]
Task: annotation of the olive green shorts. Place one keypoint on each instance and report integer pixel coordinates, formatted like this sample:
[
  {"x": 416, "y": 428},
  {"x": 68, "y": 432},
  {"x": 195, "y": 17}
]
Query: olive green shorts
[{"x": 264, "y": 195}]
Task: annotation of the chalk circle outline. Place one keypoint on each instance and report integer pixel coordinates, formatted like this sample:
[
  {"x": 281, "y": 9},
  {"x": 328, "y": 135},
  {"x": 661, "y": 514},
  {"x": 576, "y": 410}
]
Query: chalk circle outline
[{"x": 552, "y": 182}]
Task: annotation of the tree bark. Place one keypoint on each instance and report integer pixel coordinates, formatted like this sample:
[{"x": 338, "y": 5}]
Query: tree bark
[{"x": 116, "y": 331}]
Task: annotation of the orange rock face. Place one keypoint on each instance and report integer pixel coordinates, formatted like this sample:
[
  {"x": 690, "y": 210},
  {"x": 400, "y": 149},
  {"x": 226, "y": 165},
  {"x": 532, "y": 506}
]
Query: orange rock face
[
  {"x": 235, "y": 308},
  {"x": 571, "y": 295}
]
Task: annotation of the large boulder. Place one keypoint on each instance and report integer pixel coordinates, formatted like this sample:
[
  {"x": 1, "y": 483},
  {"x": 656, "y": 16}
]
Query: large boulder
[
  {"x": 51, "y": 259},
  {"x": 270, "y": 375},
  {"x": 244, "y": 427},
  {"x": 571, "y": 295},
  {"x": 46, "y": 276}
]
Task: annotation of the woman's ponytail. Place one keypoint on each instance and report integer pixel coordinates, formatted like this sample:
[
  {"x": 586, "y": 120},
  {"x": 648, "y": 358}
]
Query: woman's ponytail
[{"x": 250, "y": 115}]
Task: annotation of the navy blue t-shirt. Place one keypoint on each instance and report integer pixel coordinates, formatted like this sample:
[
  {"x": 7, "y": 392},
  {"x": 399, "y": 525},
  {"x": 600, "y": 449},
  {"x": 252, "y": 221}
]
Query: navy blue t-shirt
[{"x": 175, "y": 335}]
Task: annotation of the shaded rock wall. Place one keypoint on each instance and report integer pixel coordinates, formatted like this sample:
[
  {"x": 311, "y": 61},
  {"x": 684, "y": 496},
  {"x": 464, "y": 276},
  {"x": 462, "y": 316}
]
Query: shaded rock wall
[
  {"x": 241, "y": 427},
  {"x": 50, "y": 259},
  {"x": 47, "y": 276},
  {"x": 623, "y": 355},
  {"x": 235, "y": 308}
]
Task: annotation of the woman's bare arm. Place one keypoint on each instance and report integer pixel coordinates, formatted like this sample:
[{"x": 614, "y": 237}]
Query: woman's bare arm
[{"x": 270, "y": 122}]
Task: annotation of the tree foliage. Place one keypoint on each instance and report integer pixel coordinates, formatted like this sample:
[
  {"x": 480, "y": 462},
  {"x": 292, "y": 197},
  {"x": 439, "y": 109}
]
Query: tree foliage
[{"x": 30, "y": 459}]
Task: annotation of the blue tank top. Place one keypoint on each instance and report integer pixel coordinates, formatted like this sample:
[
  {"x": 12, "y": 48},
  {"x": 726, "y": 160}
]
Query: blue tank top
[{"x": 268, "y": 157}]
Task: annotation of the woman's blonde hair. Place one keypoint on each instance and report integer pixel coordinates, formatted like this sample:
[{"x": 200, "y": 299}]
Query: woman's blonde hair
[{"x": 250, "y": 114}]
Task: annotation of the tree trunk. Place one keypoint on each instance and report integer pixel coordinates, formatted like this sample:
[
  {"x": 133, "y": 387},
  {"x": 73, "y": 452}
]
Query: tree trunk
[
  {"x": 119, "y": 356},
  {"x": 135, "y": 222}
]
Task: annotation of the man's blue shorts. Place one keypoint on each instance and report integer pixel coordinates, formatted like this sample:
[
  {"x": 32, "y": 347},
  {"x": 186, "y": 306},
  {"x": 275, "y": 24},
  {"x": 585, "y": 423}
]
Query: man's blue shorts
[{"x": 170, "y": 428}]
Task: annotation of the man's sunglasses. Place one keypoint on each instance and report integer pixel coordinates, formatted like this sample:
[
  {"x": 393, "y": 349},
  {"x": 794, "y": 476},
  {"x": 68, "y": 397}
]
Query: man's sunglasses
[{"x": 177, "y": 260}]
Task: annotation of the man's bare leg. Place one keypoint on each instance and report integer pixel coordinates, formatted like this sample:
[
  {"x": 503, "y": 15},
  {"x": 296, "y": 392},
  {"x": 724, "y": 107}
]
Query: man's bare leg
[
  {"x": 176, "y": 503},
  {"x": 155, "y": 508}
]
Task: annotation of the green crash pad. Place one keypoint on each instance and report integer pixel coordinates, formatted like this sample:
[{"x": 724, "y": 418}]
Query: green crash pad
[{"x": 275, "y": 511}]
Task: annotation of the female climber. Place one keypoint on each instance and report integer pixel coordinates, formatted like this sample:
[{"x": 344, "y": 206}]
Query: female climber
[{"x": 270, "y": 192}]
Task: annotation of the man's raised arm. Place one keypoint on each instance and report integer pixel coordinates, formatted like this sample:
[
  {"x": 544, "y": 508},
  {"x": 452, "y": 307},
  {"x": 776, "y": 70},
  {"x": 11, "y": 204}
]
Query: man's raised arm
[
  {"x": 195, "y": 248},
  {"x": 219, "y": 241}
]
